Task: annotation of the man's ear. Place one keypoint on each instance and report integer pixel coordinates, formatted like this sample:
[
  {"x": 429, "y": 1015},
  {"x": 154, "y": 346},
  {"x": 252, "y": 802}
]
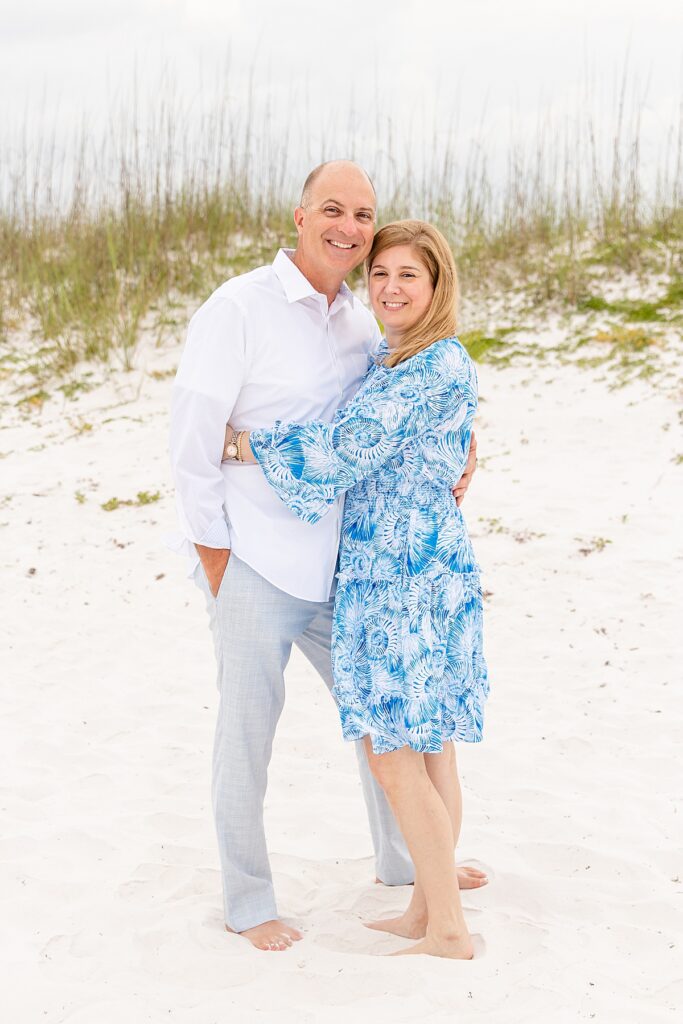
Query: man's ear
[{"x": 299, "y": 218}]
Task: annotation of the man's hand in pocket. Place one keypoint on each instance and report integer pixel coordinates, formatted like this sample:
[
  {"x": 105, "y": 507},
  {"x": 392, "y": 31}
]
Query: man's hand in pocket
[{"x": 215, "y": 562}]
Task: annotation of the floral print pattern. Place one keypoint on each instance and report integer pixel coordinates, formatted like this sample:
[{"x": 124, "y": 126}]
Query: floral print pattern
[{"x": 407, "y": 635}]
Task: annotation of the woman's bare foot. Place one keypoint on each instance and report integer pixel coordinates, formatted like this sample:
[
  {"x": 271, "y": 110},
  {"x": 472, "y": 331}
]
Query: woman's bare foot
[
  {"x": 412, "y": 924},
  {"x": 471, "y": 878},
  {"x": 450, "y": 946},
  {"x": 407, "y": 925},
  {"x": 468, "y": 878},
  {"x": 273, "y": 936}
]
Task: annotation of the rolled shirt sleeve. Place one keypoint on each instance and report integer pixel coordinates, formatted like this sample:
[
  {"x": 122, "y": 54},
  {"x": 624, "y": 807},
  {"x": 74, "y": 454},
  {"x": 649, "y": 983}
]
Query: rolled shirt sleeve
[{"x": 210, "y": 376}]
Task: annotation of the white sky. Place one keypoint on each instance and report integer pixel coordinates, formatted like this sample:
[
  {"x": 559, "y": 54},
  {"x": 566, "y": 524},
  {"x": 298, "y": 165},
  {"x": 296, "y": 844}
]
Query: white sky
[{"x": 406, "y": 58}]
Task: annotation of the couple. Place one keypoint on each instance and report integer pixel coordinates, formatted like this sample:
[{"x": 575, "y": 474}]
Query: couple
[{"x": 286, "y": 348}]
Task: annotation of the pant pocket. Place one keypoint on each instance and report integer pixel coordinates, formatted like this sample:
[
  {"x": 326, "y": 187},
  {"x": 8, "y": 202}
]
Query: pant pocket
[{"x": 202, "y": 580}]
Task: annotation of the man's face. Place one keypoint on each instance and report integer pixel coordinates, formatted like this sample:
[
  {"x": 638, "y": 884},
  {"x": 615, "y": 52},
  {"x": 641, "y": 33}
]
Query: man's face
[{"x": 337, "y": 224}]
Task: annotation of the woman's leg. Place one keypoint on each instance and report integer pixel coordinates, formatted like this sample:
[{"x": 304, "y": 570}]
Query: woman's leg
[
  {"x": 412, "y": 923},
  {"x": 427, "y": 828},
  {"x": 443, "y": 772}
]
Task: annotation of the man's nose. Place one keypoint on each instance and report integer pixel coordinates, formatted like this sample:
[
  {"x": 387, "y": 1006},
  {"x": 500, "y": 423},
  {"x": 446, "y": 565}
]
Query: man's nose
[{"x": 347, "y": 226}]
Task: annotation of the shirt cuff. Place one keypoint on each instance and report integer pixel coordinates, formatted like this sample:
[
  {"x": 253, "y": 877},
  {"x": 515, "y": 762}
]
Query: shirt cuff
[{"x": 217, "y": 535}]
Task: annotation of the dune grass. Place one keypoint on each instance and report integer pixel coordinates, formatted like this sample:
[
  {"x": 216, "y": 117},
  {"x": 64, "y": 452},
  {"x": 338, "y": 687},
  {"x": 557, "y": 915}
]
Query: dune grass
[{"x": 99, "y": 241}]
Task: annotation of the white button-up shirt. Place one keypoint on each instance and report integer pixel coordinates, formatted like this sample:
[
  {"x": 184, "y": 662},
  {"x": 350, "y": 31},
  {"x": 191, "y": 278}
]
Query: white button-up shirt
[{"x": 264, "y": 347}]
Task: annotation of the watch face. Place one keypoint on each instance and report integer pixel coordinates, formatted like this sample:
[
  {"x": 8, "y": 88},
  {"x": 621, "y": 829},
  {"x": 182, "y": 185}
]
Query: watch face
[{"x": 231, "y": 451}]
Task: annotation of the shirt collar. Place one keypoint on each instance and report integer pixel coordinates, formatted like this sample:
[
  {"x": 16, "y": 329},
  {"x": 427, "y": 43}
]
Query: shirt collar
[{"x": 298, "y": 287}]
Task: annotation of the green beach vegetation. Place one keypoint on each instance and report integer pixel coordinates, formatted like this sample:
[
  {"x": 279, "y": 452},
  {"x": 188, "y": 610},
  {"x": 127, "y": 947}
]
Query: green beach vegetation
[{"x": 123, "y": 230}]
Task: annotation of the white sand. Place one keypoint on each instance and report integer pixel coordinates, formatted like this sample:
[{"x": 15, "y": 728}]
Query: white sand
[{"x": 110, "y": 895}]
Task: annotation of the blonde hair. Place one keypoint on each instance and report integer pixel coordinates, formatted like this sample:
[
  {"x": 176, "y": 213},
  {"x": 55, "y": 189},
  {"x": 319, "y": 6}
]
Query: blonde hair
[{"x": 431, "y": 247}]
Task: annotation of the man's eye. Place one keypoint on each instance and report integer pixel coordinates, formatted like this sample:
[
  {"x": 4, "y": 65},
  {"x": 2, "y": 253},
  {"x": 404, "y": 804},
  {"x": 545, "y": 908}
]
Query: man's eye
[
  {"x": 331, "y": 209},
  {"x": 365, "y": 216}
]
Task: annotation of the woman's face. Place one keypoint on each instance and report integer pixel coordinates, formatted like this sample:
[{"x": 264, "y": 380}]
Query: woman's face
[{"x": 401, "y": 289}]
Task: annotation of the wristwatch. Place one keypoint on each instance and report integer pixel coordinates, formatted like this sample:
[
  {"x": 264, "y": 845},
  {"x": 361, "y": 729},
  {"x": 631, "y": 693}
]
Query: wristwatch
[{"x": 231, "y": 450}]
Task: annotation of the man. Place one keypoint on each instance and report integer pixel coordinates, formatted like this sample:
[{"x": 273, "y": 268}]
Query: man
[{"x": 284, "y": 342}]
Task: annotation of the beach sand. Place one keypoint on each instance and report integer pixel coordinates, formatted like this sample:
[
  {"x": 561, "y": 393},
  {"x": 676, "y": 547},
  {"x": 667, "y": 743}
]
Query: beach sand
[{"x": 110, "y": 891}]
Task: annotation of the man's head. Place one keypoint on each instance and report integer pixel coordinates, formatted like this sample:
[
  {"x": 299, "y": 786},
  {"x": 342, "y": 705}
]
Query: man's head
[{"x": 335, "y": 220}]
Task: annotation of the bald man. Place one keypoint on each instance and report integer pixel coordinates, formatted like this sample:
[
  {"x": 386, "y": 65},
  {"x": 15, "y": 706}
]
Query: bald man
[{"x": 287, "y": 342}]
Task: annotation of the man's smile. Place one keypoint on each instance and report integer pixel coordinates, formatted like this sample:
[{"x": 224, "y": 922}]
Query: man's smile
[{"x": 342, "y": 245}]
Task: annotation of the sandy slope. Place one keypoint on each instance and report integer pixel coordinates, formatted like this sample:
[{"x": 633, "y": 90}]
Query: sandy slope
[{"x": 110, "y": 888}]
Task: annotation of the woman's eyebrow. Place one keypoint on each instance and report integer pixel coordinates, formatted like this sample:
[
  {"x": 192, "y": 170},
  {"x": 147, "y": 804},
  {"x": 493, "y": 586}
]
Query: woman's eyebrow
[{"x": 406, "y": 266}]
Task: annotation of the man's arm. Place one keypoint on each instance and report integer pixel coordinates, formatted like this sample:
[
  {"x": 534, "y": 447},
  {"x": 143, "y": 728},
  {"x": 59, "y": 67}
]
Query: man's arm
[
  {"x": 465, "y": 480},
  {"x": 207, "y": 385}
]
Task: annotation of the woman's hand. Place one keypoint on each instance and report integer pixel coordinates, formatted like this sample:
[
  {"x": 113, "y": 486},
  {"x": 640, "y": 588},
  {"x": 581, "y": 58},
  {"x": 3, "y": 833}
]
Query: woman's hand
[
  {"x": 245, "y": 448},
  {"x": 465, "y": 480}
]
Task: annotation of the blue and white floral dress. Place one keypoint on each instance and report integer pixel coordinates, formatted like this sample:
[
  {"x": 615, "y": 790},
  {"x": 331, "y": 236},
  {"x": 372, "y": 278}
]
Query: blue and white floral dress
[{"x": 407, "y": 635}]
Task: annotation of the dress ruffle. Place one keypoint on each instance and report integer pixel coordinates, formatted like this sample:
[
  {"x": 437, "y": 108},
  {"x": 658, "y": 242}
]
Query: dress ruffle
[{"x": 408, "y": 661}]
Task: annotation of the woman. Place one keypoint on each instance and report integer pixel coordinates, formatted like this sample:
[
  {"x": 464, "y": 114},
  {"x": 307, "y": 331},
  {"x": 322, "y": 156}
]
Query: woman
[{"x": 410, "y": 675}]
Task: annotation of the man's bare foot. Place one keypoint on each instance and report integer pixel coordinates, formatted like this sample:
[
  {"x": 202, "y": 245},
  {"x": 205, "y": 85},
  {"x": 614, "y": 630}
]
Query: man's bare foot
[
  {"x": 451, "y": 947},
  {"x": 273, "y": 936},
  {"x": 468, "y": 878},
  {"x": 409, "y": 926}
]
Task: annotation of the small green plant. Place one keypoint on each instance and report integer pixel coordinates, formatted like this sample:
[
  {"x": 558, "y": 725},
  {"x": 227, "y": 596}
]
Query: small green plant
[
  {"x": 591, "y": 546},
  {"x": 626, "y": 339},
  {"x": 81, "y": 427},
  {"x": 524, "y": 536},
  {"x": 493, "y": 525},
  {"x": 479, "y": 345},
  {"x": 143, "y": 498},
  {"x": 594, "y": 303},
  {"x": 35, "y": 400},
  {"x": 636, "y": 310},
  {"x": 71, "y": 388},
  {"x": 162, "y": 374},
  {"x": 674, "y": 294},
  {"x": 147, "y": 498},
  {"x": 80, "y": 497}
]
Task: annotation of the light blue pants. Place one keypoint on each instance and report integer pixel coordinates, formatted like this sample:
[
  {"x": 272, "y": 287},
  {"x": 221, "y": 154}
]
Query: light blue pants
[{"x": 254, "y": 625}]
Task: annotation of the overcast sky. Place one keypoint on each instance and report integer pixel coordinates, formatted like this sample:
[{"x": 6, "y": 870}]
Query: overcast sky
[{"x": 407, "y": 57}]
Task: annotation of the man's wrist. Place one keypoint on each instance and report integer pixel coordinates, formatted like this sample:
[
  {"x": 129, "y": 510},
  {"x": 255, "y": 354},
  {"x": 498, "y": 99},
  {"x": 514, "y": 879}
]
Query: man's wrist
[
  {"x": 212, "y": 556},
  {"x": 215, "y": 563}
]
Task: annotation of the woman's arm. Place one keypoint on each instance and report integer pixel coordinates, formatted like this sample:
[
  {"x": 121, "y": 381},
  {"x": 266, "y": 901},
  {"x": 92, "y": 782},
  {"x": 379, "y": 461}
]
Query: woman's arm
[
  {"x": 459, "y": 491},
  {"x": 310, "y": 464}
]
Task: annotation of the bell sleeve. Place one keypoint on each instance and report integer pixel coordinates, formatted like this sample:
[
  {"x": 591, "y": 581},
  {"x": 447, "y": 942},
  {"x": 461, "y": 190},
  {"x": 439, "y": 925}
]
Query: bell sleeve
[{"x": 310, "y": 464}]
